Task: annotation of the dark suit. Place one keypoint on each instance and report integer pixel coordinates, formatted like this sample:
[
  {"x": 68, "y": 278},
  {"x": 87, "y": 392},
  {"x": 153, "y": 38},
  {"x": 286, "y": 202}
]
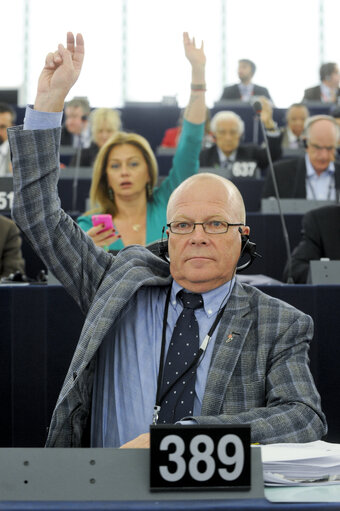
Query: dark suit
[
  {"x": 87, "y": 156},
  {"x": 233, "y": 92},
  {"x": 252, "y": 154},
  {"x": 314, "y": 94},
  {"x": 66, "y": 137},
  {"x": 291, "y": 179},
  {"x": 320, "y": 238},
  {"x": 11, "y": 258}
]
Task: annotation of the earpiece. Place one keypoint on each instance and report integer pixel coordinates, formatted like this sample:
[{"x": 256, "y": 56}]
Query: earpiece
[{"x": 249, "y": 248}]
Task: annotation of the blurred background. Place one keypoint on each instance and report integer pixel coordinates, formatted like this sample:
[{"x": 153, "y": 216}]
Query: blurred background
[{"x": 134, "y": 47}]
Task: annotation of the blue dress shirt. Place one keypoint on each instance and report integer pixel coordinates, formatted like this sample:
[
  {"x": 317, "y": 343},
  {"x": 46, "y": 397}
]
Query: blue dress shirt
[{"x": 125, "y": 384}]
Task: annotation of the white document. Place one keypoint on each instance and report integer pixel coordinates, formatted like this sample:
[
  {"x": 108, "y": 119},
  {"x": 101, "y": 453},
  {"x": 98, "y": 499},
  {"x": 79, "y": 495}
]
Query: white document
[{"x": 312, "y": 463}]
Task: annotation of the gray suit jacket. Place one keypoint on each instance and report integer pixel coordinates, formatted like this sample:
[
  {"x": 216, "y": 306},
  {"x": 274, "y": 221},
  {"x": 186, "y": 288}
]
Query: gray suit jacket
[{"x": 259, "y": 371}]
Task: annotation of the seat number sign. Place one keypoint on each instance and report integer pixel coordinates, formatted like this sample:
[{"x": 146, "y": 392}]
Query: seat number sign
[
  {"x": 6, "y": 194},
  {"x": 199, "y": 457}
]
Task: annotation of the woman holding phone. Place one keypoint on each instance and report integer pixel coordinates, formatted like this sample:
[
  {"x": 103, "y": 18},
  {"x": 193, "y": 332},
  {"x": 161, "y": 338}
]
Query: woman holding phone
[{"x": 125, "y": 172}]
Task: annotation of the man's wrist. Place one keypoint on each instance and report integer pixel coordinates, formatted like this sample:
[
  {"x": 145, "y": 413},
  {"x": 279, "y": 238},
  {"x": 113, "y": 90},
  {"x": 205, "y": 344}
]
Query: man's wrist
[{"x": 49, "y": 103}]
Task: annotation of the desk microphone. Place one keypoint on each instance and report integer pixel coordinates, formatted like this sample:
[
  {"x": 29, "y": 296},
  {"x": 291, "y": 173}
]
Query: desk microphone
[{"x": 258, "y": 109}]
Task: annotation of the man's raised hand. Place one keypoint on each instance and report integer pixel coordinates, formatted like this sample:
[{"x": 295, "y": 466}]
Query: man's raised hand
[{"x": 61, "y": 71}]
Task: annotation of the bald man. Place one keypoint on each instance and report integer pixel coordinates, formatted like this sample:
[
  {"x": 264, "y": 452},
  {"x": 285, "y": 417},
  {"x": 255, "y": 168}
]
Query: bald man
[
  {"x": 315, "y": 175},
  {"x": 254, "y": 369}
]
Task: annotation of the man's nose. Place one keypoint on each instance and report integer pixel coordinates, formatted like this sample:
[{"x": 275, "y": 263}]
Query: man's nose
[{"x": 198, "y": 235}]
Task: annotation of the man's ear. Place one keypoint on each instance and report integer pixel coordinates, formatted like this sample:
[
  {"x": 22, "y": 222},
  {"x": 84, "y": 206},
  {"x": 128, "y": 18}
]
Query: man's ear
[{"x": 244, "y": 230}]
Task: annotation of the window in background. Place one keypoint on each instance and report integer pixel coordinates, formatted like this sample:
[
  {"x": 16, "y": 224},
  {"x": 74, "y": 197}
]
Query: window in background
[
  {"x": 282, "y": 38},
  {"x": 134, "y": 47}
]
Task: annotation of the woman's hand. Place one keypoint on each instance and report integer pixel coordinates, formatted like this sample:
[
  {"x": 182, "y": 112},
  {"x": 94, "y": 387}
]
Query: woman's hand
[
  {"x": 60, "y": 73},
  {"x": 103, "y": 239},
  {"x": 195, "y": 55}
]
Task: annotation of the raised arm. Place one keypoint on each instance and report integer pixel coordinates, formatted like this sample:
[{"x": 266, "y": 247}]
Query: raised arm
[
  {"x": 195, "y": 112},
  {"x": 60, "y": 73}
]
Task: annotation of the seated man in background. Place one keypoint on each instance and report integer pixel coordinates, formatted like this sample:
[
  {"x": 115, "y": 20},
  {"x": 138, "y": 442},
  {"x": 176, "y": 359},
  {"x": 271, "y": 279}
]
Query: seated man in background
[
  {"x": 229, "y": 156},
  {"x": 11, "y": 259},
  {"x": 255, "y": 366},
  {"x": 76, "y": 131},
  {"x": 328, "y": 91},
  {"x": 7, "y": 119},
  {"x": 246, "y": 89},
  {"x": 320, "y": 238},
  {"x": 315, "y": 175},
  {"x": 293, "y": 132},
  {"x": 104, "y": 123}
]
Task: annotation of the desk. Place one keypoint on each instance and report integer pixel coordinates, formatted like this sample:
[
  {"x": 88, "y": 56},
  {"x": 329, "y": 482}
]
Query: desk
[
  {"x": 213, "y": 505},
  {"x": 40, "y": 326}
]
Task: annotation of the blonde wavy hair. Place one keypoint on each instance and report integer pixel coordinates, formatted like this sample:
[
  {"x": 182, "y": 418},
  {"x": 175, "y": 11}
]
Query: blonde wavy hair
[
  {"x": 99, "y": 116},
  {"x": 100, "y": 199}
]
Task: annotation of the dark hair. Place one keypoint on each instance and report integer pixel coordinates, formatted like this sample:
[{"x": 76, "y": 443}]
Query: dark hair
[
  {"x": 5, "y": 107},
  {"x": 250, "y": 63},
  {"x": 326, "y": 70}
]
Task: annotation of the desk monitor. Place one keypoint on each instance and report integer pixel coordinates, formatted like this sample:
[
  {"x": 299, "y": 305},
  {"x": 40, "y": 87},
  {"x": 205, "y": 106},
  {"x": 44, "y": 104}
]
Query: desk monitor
[
  {"x": 295, "y": 206},
  {"x": 324, "y": 272}
]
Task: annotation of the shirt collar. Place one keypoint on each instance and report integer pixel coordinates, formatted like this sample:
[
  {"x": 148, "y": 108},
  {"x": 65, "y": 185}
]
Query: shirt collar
[
  {"x": 4, "y": 147},
  {"x": 326, "y": 91},
  {"x": 212, "y": 300},
  {"x": 310, "y": 169},
  {"x": 222, "y": 157},
  {"x": 291, "y": 136}
]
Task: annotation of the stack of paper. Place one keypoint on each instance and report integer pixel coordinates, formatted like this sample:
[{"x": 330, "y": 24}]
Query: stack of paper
[{"x": 312, "y": 463}]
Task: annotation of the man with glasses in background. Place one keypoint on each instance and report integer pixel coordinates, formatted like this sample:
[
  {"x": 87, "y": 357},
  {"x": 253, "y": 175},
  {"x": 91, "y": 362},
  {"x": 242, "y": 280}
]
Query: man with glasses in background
[{"x": 316, "y": 175}]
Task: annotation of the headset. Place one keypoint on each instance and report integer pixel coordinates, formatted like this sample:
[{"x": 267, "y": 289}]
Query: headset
[{"x": 248, "y": 248}]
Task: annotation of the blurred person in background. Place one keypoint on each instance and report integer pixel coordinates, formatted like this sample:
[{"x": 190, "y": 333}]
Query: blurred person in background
[
  {"x": 76, "y": 129},
  {"x": 328, "y": 91},
  {"x": 7, "y": 119},
  {"x": 11, "y": 259},
  {"x": 104, "y": 123},
  {"x": 125, "y": 172},
  {"x": 246, "y": 89},
  {"x": 293, "y": 132}
]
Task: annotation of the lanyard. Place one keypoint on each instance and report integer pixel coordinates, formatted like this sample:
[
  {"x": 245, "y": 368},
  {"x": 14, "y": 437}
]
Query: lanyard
[
  {"x": 330, "y": 187},
  {"x": 194, "y": 363}
]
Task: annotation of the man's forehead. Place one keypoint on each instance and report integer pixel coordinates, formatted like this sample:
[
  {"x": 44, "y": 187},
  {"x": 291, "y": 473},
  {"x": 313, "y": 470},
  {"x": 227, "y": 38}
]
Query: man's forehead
[{"x": 323, "y": 129}]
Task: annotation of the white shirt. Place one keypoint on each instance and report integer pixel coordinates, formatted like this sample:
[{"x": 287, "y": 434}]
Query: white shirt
[
  {"x": 4, "y": 159},
  {"x": 320, "y": 187}
]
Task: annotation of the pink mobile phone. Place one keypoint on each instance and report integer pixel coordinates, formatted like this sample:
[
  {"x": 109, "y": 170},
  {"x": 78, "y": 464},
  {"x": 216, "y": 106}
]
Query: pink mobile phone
[{"x": 102, "y": 219}]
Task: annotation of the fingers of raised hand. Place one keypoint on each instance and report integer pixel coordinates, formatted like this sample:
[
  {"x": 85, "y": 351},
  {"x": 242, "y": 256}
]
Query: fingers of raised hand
[{"x": 53, "y": 60}]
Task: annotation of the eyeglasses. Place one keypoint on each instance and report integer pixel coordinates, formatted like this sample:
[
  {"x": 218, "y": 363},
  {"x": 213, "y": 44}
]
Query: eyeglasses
[
  {"x": 210, "y": 227},
  {"x": 321, "y": 148}
]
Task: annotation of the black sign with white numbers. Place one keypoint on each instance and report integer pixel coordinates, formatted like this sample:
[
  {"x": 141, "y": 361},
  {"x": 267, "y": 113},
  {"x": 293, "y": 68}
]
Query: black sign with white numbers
[
  {"x": 199, "y": 457},
  {"x": 6, "y": 194}
]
